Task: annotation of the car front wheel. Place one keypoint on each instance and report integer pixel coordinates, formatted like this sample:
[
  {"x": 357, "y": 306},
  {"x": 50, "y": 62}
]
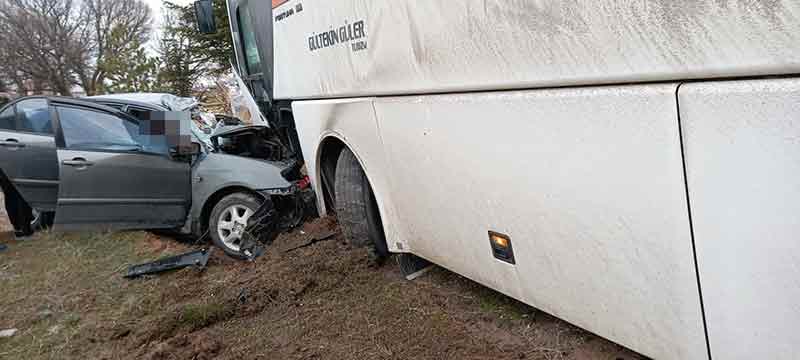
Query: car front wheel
[{"x": 228, "y": 221}]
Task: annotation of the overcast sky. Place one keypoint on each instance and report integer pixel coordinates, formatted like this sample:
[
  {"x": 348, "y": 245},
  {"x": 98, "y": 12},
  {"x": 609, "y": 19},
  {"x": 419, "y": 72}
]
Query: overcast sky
[{"x": 156, "y": 6}]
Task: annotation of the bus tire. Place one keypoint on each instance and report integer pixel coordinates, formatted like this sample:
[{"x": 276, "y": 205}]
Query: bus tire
[{"x": 356, "y": 208}]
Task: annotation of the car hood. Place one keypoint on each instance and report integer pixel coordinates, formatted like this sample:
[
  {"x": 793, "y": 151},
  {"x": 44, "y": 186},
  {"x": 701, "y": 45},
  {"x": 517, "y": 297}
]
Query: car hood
[
  {"x": 234, "y": 130},
  {"x": 221, "y": 170}
]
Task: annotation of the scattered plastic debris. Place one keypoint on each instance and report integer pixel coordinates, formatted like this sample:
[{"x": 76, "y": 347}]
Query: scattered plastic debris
[{"x": 198, "y": 258}]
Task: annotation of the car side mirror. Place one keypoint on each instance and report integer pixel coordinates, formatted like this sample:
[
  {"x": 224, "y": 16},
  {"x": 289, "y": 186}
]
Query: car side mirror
[
  {"x": 194, "y": 148},
  {"x": 204, "y": 15}
]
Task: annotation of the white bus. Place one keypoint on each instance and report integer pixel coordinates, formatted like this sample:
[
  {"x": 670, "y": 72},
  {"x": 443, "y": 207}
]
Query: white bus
[{"x": 629, "y": 166}]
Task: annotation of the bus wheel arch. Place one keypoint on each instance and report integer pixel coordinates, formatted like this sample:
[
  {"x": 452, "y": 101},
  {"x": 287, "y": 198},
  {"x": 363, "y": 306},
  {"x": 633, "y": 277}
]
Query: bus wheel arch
[
  {"x": 329, "y": 150},
  {"x": 348, "y": 190}
]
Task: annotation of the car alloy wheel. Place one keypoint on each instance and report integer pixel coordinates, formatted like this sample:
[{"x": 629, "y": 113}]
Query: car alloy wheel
[{"x": 231, "y": 225}]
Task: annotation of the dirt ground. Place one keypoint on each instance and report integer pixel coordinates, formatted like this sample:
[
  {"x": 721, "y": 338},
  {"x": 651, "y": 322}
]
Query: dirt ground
[{"x": 66, "y": 296}]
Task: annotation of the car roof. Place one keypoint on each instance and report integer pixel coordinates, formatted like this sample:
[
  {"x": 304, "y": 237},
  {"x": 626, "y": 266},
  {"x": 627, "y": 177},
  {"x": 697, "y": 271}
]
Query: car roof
[
  {"x": 65, "y": 101},
  {"x": 123, "y": 101},
  {"x": 162, "y": 100},
  {"x": 71, "y": 101}
]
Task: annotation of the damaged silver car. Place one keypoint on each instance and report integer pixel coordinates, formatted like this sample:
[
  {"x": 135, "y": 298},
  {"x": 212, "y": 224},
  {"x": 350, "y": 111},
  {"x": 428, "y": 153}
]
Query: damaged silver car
[{"x": 115, "y": 163}]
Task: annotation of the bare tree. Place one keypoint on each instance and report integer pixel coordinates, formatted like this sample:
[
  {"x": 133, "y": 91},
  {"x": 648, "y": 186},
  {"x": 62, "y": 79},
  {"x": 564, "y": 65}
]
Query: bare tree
[
  {"x": 62, "y": 43},
  {"x": 38, "y": 41},
  {"x": 129, "y": 20}
]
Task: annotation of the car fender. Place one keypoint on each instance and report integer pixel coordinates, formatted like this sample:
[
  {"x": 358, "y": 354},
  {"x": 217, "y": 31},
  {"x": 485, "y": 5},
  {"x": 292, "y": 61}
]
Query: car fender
[{"x": 214, "y": 172}]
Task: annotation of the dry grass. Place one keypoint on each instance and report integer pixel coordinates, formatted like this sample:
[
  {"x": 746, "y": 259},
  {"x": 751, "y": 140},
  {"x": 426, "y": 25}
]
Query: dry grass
[
  {"x": 56, "y": 286},
  {"x": 67, "y": 297}
]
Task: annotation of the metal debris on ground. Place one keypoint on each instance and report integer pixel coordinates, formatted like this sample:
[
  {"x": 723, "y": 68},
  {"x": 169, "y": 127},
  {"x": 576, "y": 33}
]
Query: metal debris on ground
[
  {"x": 252, "y": 250},
  {"x": 198, "y": 258},
  {"x": 7, "y": 333},
  {"x": 3, "y": 247}
]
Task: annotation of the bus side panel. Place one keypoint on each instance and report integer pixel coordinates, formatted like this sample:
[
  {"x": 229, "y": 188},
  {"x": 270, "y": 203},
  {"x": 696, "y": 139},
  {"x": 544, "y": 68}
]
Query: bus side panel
[
  {"x": 351, "y": 121},
  {"x": 340, "y": 48},
  {"x": 742, "y": 143},
  {"x": 587, "y": 182}
]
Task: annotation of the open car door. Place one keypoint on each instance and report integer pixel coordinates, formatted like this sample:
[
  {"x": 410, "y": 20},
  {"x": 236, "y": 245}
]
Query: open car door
[
  {"x": 28, "y": 151},
  {"x": 110, "y": 175}
]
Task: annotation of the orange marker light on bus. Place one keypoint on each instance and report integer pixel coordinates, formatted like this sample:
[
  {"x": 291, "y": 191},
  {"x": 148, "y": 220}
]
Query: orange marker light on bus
[
  {"x": 499, "y": 240},
  {"x": 501, "y": 247}
]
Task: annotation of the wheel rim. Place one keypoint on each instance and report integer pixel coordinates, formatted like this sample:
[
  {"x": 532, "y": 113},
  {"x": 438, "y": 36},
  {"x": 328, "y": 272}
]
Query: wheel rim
[
  {"x": 231, "y": 225},
  {"x": 36, "y": 214}
]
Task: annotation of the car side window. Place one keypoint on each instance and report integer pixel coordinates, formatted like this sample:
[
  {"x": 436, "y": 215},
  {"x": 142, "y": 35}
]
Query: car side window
[
  {"x": 138, "y": 113},
  {"x": 88, "y": 129},
  {"x": 115, "y": 106},
  {"x": 34, "y": 116},
  {"x": 8, "y": 119}
]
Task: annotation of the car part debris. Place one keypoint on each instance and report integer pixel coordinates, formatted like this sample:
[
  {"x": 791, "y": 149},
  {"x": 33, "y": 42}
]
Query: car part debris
[
  {"x": 198, "y": 258},
  {"x": 3, "y": 247},
  {"x": 7, "y": 333},
  {"x": 313, "y": 241},
  {"x": 261, "y": 231},
  {"x": 284, "y": 211},
  {"x": 252, "y": 250},
  {"x": 412, "y": 266}
]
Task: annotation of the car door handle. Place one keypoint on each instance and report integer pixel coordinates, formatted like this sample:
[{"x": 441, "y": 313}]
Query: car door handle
[
  {"x": 78, "y": 162},
  {"x": 12, "y": 143}
]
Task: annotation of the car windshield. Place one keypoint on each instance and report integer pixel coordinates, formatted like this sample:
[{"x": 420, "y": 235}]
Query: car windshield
[
  {"x": 200, "y": 135},
  {"x": 170, "y": 102}
]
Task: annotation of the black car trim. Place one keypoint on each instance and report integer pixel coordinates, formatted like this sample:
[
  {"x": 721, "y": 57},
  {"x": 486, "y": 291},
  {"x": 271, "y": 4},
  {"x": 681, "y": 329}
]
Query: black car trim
[
  {"x": 34, "y": 181},
  {"x": 84, "y": 201}
]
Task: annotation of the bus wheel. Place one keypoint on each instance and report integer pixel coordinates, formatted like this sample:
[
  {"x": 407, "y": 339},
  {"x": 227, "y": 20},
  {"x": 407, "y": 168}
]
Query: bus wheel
[{"x": 356, "y": 208}]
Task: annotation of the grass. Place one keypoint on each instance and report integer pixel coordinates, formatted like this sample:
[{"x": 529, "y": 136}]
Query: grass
[
  {"x": 67, "y": 297},
  {"x": 58, "y": 287},
  {"x": 195, "y": 316},
  {"x": 504, "y": 307}
]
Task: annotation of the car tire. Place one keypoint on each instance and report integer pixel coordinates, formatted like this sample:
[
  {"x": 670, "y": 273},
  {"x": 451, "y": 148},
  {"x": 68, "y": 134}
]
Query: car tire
[
  {"x": 228, "y": 220},
  {"x": 42, "y": 220},
  {"x": 356, "y": 208}
]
